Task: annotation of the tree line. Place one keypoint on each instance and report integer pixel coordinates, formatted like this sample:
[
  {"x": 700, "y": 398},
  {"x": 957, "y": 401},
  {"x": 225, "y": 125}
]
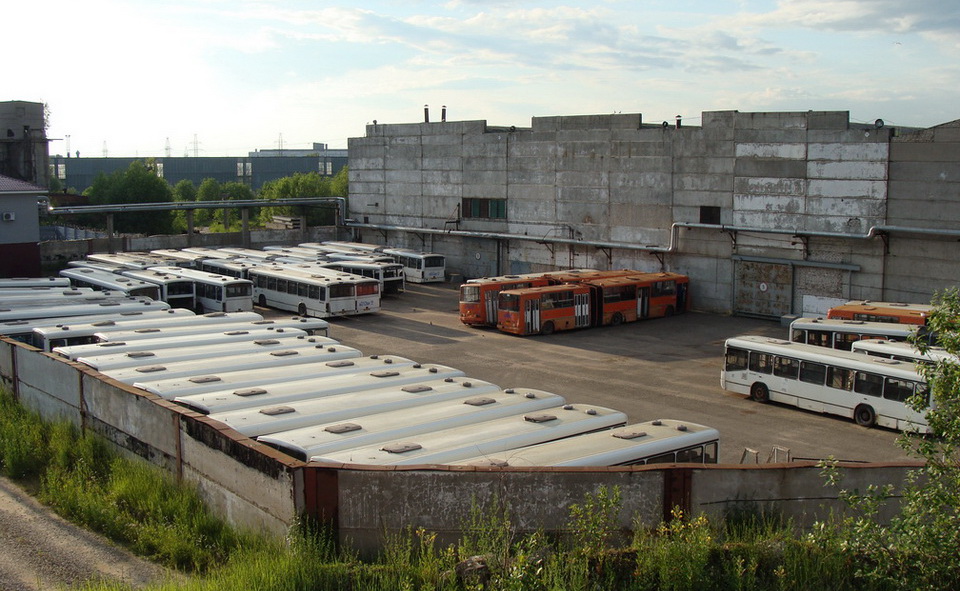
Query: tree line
[{"x": 139, "y": 183}]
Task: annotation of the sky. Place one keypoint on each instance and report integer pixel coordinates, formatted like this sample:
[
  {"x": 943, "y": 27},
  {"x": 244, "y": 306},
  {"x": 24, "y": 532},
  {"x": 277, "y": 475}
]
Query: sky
[{"x": 217, "y": 78}]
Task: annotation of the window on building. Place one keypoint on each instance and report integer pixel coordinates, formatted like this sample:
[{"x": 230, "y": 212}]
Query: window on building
[
  {"x": 709, "y": 214},
  {"x": 492, "y": 209}
]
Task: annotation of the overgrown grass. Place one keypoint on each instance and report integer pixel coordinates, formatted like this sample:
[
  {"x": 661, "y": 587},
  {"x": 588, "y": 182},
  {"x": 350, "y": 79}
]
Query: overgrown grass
[{"x": 142, "y": 508}]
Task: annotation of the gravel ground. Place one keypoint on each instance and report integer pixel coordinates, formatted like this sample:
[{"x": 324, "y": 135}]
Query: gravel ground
[{"x": 39, "y": 550}]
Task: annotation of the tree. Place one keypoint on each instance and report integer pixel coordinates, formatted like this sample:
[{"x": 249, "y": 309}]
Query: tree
[
  {"x": 920, "y": 547},
  {"x": 139, "y": 183},
  {"x": 184, "y": 191},
  {"x": 311, "y": 184}
]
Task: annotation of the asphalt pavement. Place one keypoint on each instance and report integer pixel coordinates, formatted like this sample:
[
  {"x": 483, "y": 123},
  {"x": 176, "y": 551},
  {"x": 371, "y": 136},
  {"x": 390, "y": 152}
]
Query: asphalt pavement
[{"x": 661, "y": 368}]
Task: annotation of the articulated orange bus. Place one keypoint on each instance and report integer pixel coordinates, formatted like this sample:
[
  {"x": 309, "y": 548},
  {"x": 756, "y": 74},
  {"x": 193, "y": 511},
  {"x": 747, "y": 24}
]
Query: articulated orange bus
[
  {"x": 478, "y": 297},
  {"x": 597, "y": 302},
  {"x": 868, "y": 311}
]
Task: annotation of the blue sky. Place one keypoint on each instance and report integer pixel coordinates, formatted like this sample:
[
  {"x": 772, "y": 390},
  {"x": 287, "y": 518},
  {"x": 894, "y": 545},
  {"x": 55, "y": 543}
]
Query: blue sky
[{"x": 218, "y": 78}]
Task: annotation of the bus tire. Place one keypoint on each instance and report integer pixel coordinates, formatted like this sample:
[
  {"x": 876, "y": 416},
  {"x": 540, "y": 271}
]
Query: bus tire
[
  {"x": 547, "y": 328},
  {"x": 617, "y": 319},
  {"x": 760, "y": 392},
  {"x": 302, "y": 309},
  {"x": 865, "y": 416},
  {"x": 262, "y": 301},
  {"x": 668, "y": 312}
]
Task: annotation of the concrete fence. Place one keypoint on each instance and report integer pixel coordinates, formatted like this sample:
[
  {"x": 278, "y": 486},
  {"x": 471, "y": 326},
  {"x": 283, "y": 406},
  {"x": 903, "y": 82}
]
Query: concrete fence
[{"x": 256, "y": 487}]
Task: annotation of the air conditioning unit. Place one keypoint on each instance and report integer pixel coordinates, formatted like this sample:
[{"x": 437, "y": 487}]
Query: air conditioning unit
[{"x": 8, "y": 216}]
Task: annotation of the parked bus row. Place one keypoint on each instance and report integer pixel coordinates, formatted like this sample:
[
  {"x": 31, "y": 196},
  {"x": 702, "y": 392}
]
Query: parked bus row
[{"x": 318, "y": 400}]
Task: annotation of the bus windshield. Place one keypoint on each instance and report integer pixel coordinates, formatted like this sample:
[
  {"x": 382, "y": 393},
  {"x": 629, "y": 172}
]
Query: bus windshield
[
  {"x": 469, "y": 293},
  {"x": 509, "y": 301}
]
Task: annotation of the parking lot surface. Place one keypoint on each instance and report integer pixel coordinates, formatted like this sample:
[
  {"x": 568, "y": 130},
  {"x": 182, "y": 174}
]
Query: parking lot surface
[{"x": 663, "y": 368}]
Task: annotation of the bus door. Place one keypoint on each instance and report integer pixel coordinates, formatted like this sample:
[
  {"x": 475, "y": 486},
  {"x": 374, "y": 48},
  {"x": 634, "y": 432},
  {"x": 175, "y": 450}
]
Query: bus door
[
  {"x": 681, "y": 297},
  {"x": 581, "y": 309},
  {"x": 643, "y": 302},
  {"x": 531, "y": 316},
  {"x": 490, "y": 298}
]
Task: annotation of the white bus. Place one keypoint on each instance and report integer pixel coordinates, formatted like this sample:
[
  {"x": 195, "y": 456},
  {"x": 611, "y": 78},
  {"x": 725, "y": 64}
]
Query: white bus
[
  {"x": 494, "y": 436},
  {"x": 299, "y": 252},
  {"x": 242, "y": 389},
  {"x": 282, "y": 360},
  {"x": 77, "y": 308},
  {"x": 310, "y": 293},
  {"x": 233, "y": 321},
  {"x": 216, "y": 293},
  {"x": 419, "y": 267},
  {"x": 68, "y": 333},
  {"x": 390, "y": 275},
  {"x": 177, "y": 291},
  {"x": 903, "y": 351},
  {"x": 248, "y": 382},
  {"x": 6, "y": 282},
  {"x": 101, "y": 280},
  {"x": 22, "y": 330},
  {"x": 130, "y": 260},
  {"x": 307, "y": 412},
  {"x": 39, "y": 295},
  {"x": 280, "y": 342},
  {"x": 75, "y": 352},
  {"x": 207, "y": 252},
  {"x": 250, "y": 253},
  {"x": 184, "y": 259},
  {"x": 840, "y": 334},
  {"x": 361, "y": 246},
  {"x": 870, "y": 390},
  {"x": 344, "y": 428},
  {"x": 661, "y": 441},
  {"x": 230, "y": 267}
]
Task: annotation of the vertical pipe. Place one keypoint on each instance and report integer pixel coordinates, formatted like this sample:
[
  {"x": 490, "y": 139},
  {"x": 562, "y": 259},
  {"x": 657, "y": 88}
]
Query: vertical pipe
[{"x": 426, "y": 113}]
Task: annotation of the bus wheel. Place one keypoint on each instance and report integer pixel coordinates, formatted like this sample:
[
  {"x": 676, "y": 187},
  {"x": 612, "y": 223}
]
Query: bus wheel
[
  {"x": 668, "y": 312},
  {"x": 865, "y": 416},
  {"x": 302, "y": 309},
  {"x": 547, "y": 328},
  {"x": 262, "y": 302},
  {"x": 759, "y": 392},
  {"x": 617, "y": 319}
]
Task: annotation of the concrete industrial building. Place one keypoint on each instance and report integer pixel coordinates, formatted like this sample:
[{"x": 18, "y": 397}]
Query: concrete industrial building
[
  {"x": 23, "y": 142},
  {"x": 769, "y": 213}
]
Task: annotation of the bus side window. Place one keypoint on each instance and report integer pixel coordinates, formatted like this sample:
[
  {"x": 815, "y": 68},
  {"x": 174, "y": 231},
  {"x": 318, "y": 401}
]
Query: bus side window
[
  {"x": 821, "y": 338},
  {"x": 839, "y": 378},
  {"x": 693, "y": 454},
  {"x": 898, "y": 390},
  {"x": 845, "y": 341},
  {"x": 784, "y": 367},
  {"x": 870, "y": 384},
  {"x": 736, "y": 360},
  {"x": 710, "y": 453},
  {"x": 813, "y": 373},
  {"x": 761, "y": 362},
  {"x": 668, "y": 458}
]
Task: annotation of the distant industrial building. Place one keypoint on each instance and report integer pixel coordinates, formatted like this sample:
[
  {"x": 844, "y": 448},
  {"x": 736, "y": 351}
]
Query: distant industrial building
[
  {"x": 253, "y": 170},
  {"x": 770, "y": 214}
]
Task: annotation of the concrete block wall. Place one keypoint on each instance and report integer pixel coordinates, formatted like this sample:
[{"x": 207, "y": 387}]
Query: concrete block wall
[{"x": 613, "y": 178}]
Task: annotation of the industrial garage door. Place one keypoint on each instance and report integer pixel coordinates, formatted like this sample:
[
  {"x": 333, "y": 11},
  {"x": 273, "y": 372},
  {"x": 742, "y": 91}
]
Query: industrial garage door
[{"x": 762, "y": 289}]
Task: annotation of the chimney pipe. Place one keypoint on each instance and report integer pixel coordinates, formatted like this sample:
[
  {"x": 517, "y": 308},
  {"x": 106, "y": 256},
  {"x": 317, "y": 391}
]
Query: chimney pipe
[
  {"x": 443, "y": 113},
  {"x": 678, "y": 121},
  {"x": 426, "y": 113}
]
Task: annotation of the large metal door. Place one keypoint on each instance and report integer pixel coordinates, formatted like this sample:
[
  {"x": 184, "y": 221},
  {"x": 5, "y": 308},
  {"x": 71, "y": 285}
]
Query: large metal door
[
  {"x": 531, "y": 317},
  {"x": 762, "y": 289}
]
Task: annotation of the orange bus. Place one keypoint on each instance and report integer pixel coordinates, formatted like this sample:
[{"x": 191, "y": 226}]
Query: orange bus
[
  {"x": 597, "y": 302},
  {"x": 478, "y": 297},
  {"x": 868, "y": 311}
]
